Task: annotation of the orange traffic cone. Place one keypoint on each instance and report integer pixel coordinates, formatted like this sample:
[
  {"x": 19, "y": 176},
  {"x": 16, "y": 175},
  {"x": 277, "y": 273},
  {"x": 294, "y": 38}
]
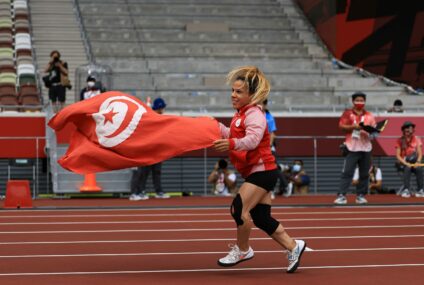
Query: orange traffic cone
[
  {"x": 90, "y": 184},
  {"x": 149, "y": 102},
  {"x": 18, "y": 194}
]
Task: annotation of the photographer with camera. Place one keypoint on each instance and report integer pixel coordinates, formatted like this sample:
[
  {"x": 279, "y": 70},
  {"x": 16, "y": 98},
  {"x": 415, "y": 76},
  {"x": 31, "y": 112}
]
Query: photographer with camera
[
  {"x": 409, "y": 154},
  {"x": 223, "y": 179},
  {"x": 57, "y": 80}
]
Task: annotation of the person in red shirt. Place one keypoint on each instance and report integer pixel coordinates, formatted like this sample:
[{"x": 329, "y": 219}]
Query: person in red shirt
[
  {"x": 408, "y": 153},
  {"x": 358, "y": 144},
  {"x": 248, "y": 141}
]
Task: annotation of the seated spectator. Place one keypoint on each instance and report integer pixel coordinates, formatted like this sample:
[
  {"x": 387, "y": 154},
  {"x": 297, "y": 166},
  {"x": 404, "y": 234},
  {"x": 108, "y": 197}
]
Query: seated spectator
[
  {"x": 409, "y": 154},
  {"x": 223, "y": 179},
  {"x": 375, "y": 184},
  {"x": 397, "y": 107},
  {"x": 299, "y": 180},
  {"x": 92, "y": 89}
]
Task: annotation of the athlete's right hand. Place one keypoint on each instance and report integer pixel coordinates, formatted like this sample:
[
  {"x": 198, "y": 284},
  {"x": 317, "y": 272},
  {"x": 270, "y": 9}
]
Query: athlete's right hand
[{"x": 221, "y": 145}]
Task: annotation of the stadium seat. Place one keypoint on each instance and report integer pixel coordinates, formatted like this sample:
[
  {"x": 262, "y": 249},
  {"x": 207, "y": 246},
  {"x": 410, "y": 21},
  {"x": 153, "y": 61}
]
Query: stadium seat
[
  {"x": 6, "y": 25},
  {"x": 7, "y": 78},
  {"x": 22, "y": 41},
  {"x": 25, "y": 79},
  {"x": 26, "y": 69},
  {"x": 21, "y": 26},
  {"x": 6, "y": 40},
  {"x": 22, "y": 4},
  {"x": 24, "y": 59}
]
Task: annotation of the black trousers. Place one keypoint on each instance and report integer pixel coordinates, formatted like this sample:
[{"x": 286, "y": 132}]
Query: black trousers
[
  {"x": 139, "y": 178},
  {"x": 407, "y": 177},
  {"x": 362, "y": 159}
]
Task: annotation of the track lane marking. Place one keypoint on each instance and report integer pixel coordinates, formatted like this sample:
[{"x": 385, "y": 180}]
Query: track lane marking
[
  {"x": 202, "y": 240},
  {"x": 225, "y": 213},
  {"x": 191, "y": 208},
  {"x": 208, "y": 270},
  {"x": 208, "y": 221},
  {"x": 201, "y": 252},
  {"x": 209, "y": 229}
]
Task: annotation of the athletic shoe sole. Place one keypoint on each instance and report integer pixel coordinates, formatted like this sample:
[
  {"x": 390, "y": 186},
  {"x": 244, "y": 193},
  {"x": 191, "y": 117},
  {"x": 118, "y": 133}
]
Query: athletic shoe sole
[
  {"x": 232, "y": 264},
  {"x": 293, "y": 269}
]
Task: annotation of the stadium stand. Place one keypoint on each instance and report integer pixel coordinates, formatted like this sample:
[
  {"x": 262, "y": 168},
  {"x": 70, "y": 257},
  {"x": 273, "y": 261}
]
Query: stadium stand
[
  {"x": 55, "y": 27},
  {"x": 181, "y": 51},
  {"x": 18, "y": 83}
]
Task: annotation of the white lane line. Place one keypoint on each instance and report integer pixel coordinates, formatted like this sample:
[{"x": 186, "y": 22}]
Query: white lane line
[
  {"x": 225, "y": 213},
  {"x": 200, "y": 208},
  {"x": 200, "y": 239},
  {"x": 202, "y": 252},
  {"x": 208, "y": 270},
  {"x": 208, "y": 221},
  {"x": 207, "y": 229}
]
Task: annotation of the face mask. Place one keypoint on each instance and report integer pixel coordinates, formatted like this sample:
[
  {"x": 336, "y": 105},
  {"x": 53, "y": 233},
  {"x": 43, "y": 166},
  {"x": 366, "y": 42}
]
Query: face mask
[
  {"x": 359, "y": 106},
  {"x": 90, "y": 84},
  {"x": 296, "y": 168}
]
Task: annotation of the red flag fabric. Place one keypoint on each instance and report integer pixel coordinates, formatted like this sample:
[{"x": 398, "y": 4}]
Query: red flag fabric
[{"x": 116, "y": 130}]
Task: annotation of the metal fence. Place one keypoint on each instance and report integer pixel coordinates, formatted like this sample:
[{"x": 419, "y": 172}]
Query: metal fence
[{"x": 190, "y": 173}]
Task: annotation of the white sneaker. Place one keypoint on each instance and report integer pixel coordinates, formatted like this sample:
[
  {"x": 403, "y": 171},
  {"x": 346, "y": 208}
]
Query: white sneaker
[
  {"x": 135, "y": 197},
  {"x": 340, "y": 200},
  {"x": 405, "y": 193},
  {"x": 360, "y": 199},
  {"x": 420, "y": 193},
  {"x": 162, "y": 195},
  {"x": 272, "y": 195},
  {"x": 236, "y": 256},
  {"x": 295, "y": 255}
]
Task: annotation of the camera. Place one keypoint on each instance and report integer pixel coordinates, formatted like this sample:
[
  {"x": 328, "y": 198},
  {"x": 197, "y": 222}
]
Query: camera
[{"x": 56, "y": 59}]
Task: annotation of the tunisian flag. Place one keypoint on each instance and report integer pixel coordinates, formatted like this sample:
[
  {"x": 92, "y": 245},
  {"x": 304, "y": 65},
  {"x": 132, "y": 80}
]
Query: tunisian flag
[{"x": 116, "y": 130}]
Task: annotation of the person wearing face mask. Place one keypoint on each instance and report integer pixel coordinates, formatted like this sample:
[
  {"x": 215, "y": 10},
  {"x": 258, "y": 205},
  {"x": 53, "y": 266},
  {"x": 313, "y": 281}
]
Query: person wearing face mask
[
  {"x": 397, "y": 107},
  {"x": 299, "y": 179},
  {"x": 358, "y": 144},
  {"x": 408, "y": 154},
  {"x": 92, "y": 89}
]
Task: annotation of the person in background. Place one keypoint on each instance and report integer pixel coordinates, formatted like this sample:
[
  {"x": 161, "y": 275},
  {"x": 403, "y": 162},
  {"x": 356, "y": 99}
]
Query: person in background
[
  {"x": 272, "y": 128},
  {"x": 358, "y": 144},
  {"x": 375, "y": 184},
  {"x": 409, "y": 153},
  {"x": 92, "y": 89},
  {"x": 223, "y": 180},
  {"x": 56, "y": 69},
  {"x": 139, "y": 178},
  {"x": 397, "y": 107},
  {"x": 298, "y": 178}
]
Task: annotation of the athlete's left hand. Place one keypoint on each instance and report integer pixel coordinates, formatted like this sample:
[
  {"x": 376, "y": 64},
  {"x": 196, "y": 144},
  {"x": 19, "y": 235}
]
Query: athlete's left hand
[{"x": 221, "y": 145}]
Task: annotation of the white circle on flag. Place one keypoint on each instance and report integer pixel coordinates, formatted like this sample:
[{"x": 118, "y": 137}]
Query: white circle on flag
[{"x": 117, "y": 119}]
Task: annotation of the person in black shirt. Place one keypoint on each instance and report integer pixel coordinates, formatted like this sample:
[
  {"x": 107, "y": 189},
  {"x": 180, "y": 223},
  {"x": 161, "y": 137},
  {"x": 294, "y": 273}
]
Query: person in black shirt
[{"x": 56, "y": 69}]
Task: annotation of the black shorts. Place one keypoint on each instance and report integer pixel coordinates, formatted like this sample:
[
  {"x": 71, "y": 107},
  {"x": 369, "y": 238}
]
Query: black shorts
[
  {"x": 265, "y": 179},
  {"x": 57, "y": 93}
]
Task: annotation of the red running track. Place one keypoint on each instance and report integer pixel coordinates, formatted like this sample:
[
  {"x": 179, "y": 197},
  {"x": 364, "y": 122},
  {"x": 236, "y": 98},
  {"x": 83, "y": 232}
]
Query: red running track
[{"x": 349, "y": 245}]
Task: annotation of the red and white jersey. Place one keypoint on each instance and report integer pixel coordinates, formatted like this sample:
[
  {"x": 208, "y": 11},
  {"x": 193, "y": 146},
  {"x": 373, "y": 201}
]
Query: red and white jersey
[
  {"x": 357, "y": 140},
  {"x": 408, "y": 147},
  {"x": 249, "y": 141}
]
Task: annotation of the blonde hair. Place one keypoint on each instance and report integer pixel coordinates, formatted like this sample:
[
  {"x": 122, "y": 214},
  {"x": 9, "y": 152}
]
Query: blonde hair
[{"x": 255, "y": 80}]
